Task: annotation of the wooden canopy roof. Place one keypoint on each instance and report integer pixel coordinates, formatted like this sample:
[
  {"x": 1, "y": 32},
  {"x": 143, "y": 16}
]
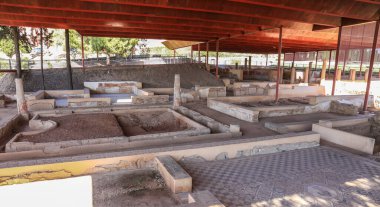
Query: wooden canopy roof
[{"x": 241, "y": 25}]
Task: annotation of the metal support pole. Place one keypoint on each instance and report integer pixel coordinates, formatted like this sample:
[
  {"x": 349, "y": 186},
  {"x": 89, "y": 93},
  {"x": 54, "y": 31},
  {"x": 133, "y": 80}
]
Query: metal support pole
[
  {"x": 217, "y": 58},
  {"x": 81, "y": 39},
  {"x": 373, "y": 52},
  {"x": 316, "y": 61},
  {"x": 174, "y": 56},
  {"x": 68, "y": 63},
  {"x": 344, "y": 61},
  {"x": 207, "y": 48},
  {"x": 192, "y": 54},
  {"x": 329, "y": 62},
  {"x": 266, "y": 63},
  {"x": 361, "y": 61},
  {"x": 42, "y": 58},
  {"x": 199, "y": 53},
  {"x": 16, "y": 37},
  {"x": 278, "y": 63},
  {"x": 283, "y": 61},
  {"x": 294, "y": 58},
  {"x": 336, "y": 60}
]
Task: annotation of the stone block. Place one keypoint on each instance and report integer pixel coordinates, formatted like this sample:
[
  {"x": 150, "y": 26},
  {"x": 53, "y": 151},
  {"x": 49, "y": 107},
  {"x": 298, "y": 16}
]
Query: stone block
[
  {"x": 176, "y": 178},
  {"x": 88, "y": 102},
  {"x": 157, "y": 99},
  {"x": 40, "y": 104},
  {"x": 343, "y": 108}
]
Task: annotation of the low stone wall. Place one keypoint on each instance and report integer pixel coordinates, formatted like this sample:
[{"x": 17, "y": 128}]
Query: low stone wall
[
  {"x": 205, "y": 92},
  {"x": 194, "y": 129},
  {"x": 40, "y": 104},
  {"x": 157, "y": 99},
  {"x": 113, "y": 86},
  {"x": 230, "y": 106},
  {"x": 269, "y": 89},
  {"x": 240, "y": 112},
  {"x": 299, "y": 91},
  {"x": 8, "y": 128},
  {"x": 46, "y": 168},
  {"x": 88, "y": 102},
  {"x": 356, "y": 142}
]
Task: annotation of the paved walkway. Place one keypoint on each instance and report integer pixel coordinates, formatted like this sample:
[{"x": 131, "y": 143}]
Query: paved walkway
[{"x": 319, "y": 176}]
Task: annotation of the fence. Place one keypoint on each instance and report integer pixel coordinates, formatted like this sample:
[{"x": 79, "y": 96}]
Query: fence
[{"x": 10, "y": 64}]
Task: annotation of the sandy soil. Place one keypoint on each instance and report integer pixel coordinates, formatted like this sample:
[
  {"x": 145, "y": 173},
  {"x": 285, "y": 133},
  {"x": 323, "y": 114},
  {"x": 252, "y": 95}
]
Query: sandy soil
[
  {"x": 79, "y": 127},
  {"x": 142, "y": 188},
  {"x": 150, "y": 122}
]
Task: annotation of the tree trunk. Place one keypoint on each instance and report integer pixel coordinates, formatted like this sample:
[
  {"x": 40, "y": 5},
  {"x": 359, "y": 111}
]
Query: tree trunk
[
  {"x": 97, "y": 56},
  {"x": 108, "y": 60},
  {"x": 16, "y": 37},
  {"x": 68, "y": 63}
]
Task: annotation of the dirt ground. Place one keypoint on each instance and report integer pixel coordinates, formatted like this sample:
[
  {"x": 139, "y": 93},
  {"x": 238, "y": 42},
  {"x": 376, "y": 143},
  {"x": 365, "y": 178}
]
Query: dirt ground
[
  {"x": 150, "y": 122},
  {"x": 78, "y": 127},
  {"x": 249, "y": 130},
  {"x": 143, "y": 188}
]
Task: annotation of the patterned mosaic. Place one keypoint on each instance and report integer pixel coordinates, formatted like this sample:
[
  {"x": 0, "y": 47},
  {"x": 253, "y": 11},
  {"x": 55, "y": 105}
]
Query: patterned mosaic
[{"x": 318, "y": 176}]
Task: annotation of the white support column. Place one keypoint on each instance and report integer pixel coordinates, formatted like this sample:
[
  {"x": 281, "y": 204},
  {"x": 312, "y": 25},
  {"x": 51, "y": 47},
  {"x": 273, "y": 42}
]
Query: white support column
[
  {"x": 20, "y": 97},
  {"x": 177, "y": 91}
]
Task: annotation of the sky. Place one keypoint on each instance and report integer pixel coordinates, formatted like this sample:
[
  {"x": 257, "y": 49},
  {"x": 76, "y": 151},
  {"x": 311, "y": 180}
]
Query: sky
[{"x": 154, "y": 43}]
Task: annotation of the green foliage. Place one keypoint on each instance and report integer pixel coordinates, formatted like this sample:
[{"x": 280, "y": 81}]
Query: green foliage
[
  {"x": 7, "y": 47},
  {"x": 117, "y": 46},
  {"x": 25, "y": 63},
  {"x": 28, "y": 38}
]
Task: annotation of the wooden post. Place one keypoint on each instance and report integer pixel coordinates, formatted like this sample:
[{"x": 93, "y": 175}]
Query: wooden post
[
  {"x": 352, "y": 74},
  {"x": 293, "y": 75},
  {"x": 323, "y": 72},
  {"x": 316, "y": 61},
  {"x": 250, "y": 62},
  {"x": 68, "y": 61},
  {"x": 278, "y": 63},
  {"x": 336, "y": 60}
]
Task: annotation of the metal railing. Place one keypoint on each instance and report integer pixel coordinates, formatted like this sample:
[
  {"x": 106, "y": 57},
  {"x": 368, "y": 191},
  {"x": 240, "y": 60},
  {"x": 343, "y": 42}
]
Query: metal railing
[{"x": 10, "y": 64}]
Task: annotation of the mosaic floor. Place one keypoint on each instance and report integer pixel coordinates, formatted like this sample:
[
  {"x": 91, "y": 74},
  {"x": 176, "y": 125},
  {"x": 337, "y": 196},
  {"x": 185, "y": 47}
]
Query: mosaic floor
[{"x": 319, "y": 176}]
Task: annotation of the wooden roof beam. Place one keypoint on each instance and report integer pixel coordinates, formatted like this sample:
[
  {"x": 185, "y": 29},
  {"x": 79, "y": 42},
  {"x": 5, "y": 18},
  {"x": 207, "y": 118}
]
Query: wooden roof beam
[
  {"x": 98, "y": 8},
  {"x": 232, "y": 8}
]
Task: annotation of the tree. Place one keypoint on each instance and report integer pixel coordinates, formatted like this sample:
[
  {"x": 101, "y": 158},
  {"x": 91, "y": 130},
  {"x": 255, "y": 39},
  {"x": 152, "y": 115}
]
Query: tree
[
  {"x": 75, "y": 41},
  {"x": 97, "y": 45},
  {"x": 29, "y": 38},
  {"x": 113, "y": 46}
]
